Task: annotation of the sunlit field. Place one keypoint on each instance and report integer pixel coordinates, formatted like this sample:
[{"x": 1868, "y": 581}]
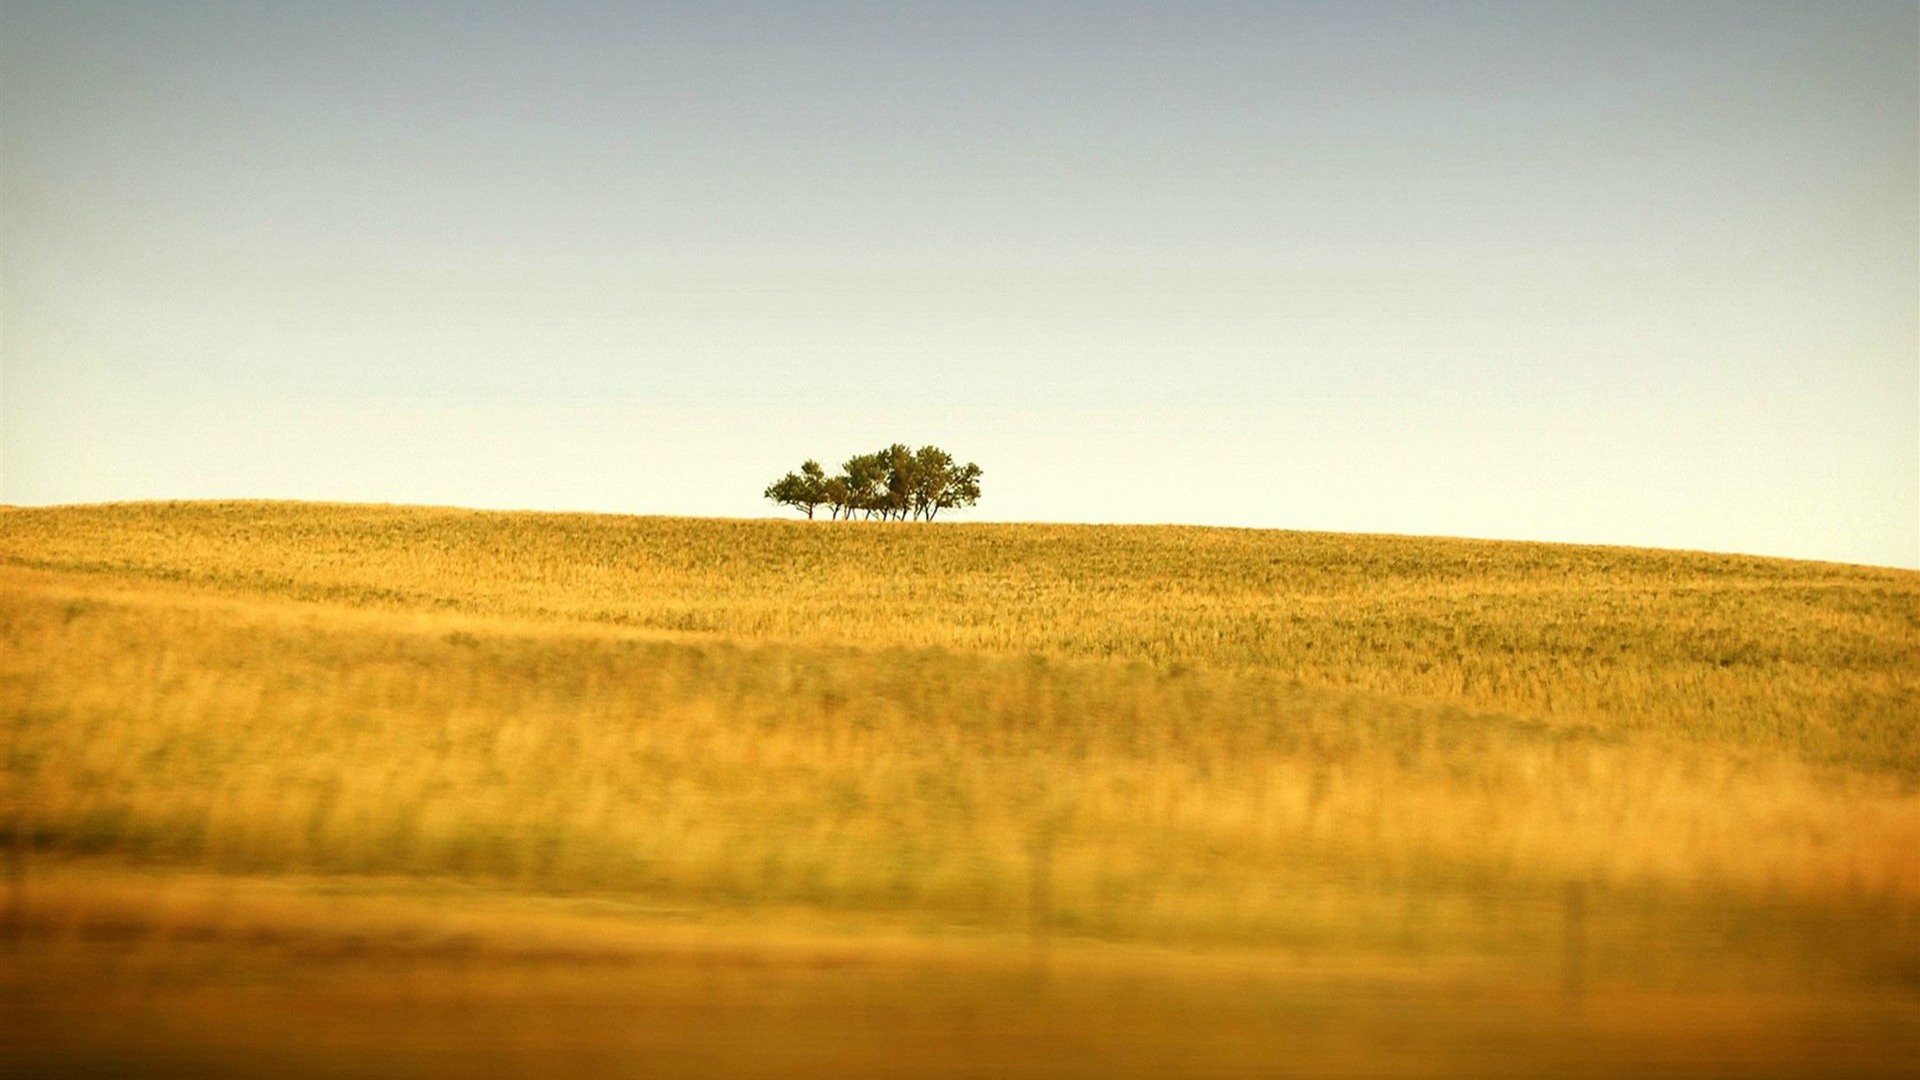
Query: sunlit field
[{"x": 323, "y": 790}]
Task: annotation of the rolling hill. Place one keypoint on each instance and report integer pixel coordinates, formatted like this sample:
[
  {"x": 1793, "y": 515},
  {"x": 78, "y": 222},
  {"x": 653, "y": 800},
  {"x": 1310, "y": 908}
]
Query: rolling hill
[{"x": 583, "y": 791}]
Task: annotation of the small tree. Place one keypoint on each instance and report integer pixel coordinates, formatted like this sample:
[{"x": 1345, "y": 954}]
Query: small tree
[
  {"x": 902, "y": 480},
  {"x": 933, "y": 474},
  {"x": 839, "y": 497},
  {"x": 804, "y": 490},
  {"x": 866, "y": 480},
  {"x": 961, "y": 491}
]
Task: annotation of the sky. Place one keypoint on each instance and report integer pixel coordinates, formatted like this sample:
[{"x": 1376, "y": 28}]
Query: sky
[{"x": 1634, "y": 273}]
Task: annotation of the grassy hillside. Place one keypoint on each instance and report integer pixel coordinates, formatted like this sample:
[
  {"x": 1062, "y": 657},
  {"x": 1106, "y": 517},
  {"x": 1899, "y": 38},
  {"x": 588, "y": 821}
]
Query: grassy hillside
[
  {"x": 1399, "y": 805},
  {"x": 1813, "y": 659}
]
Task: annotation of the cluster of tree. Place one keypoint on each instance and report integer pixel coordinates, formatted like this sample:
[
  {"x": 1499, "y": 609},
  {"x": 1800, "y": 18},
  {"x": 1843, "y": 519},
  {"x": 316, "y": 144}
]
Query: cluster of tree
[{"x": 895, "y": 483}]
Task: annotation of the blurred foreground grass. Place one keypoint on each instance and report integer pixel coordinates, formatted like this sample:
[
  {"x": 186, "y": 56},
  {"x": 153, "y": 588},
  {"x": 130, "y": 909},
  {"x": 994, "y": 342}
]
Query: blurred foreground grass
[{"x": 451, "y": 793}]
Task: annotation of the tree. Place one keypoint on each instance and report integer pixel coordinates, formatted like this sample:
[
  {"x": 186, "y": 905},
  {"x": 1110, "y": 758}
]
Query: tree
[
  {"x": 933, "y": 474},
  {"x": 866, "y": 481},
  {"x": 962, "y": 490},
  {"x": 839, "y": 497},
  {"x": 804, "y": 490},
  {"x": 902, "y": 480}
]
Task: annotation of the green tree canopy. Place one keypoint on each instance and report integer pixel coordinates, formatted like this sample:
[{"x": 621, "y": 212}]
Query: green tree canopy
[
  {"x": 898, "y": 483},
  {"x": 804, "y": 490}
]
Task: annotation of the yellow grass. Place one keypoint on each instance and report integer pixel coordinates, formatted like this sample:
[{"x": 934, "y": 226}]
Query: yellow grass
[
  {"x": 1814, "y": 659},
  {"x": 1071, "y": 783}
]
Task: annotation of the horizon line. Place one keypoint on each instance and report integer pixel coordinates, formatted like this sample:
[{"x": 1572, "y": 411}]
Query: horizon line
[{"x": 800, "y": 520}]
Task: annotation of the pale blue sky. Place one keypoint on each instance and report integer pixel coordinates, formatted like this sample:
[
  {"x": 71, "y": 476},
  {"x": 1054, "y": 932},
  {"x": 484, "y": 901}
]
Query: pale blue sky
[{"x": 1621, "y": 273}]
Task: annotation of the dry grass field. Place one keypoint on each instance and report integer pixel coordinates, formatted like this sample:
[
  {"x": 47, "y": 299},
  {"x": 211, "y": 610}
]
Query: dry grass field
[{"x": 352, "y": 790}]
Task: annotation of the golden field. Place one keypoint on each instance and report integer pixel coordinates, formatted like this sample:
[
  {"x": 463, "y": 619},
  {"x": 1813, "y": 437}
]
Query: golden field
[{"x": 407, "y": 791}]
